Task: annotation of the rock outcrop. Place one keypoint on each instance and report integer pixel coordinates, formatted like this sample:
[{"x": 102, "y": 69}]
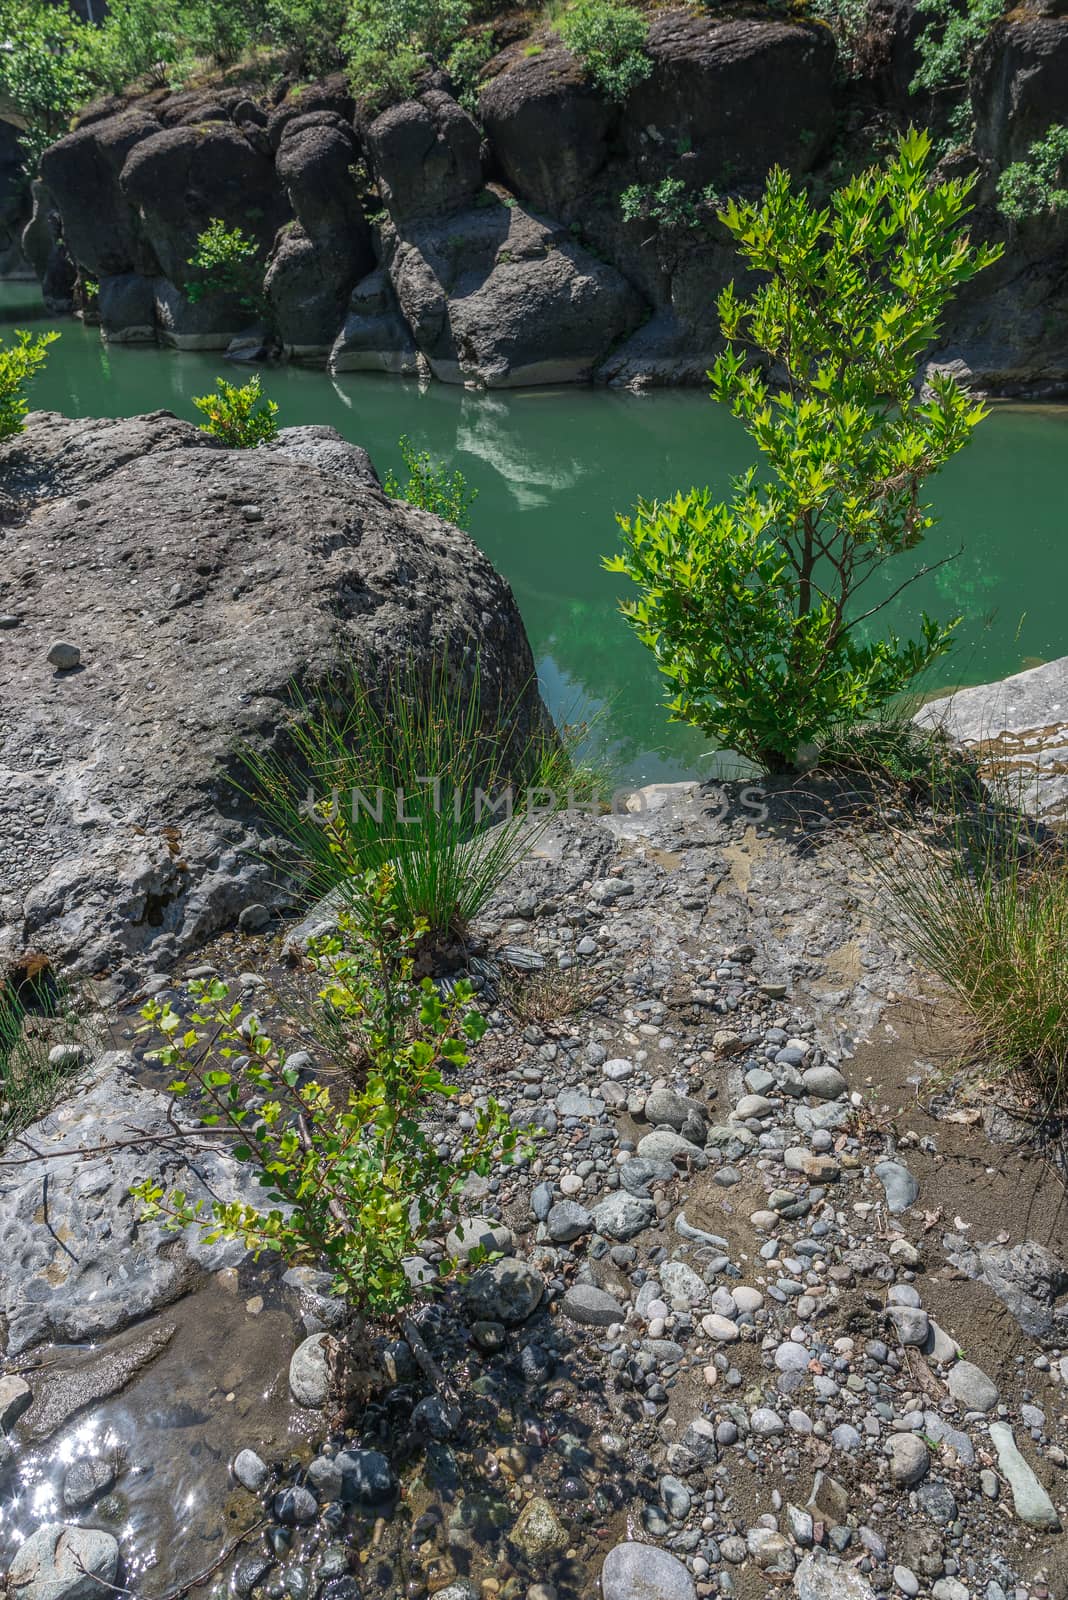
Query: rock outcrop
[
  {"x": 1018, "y": 731},
  {"x": 196, "y": 584},
  {"x": 381, "y": 242},
  {"x": 14, "y": 204}
]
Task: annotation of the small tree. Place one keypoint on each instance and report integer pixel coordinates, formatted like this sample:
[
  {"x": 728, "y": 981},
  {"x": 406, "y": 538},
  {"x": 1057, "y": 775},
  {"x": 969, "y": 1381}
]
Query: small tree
[
  {"x": 752, "y": 606},
  {"x": 431, "y": 485},
  {"x": 608, "y": 36},
  {"x": 226, "y": 261},
  {"x": 19, "y": 364},
  {"x": 350, "y": 1168},
  {"x": 240, "y": 416}
]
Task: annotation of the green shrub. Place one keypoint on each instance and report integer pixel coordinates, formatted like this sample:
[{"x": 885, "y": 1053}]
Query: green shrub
[
  {"x": 949, "y": 40},
  {"x": 464, "y": 66},
  {"x": 308, "y": 32},
  {"x": 19, "y": 364},
  {"x": 849, "y": 21},
  {"x": 351, "y": 1172},
  {"x": 51, "y": 65},
  {"x": 671, "y": 203},
  {"x": 431, "y": 486},
  {"x": 141, "y": 39},
  {"x": 407, "y": 770},
  {"x": 240, "y": 416},
  {"x": 36, "y": 1016},
  {"x": 388, "y": 42},
  {"x": 226, "y": 261},
  {"x": 749, "y": 605},
  {"x": 1038, "y": 185},
  {"x": 608, "y": 37},
  {"x": 979, "y": 896}
]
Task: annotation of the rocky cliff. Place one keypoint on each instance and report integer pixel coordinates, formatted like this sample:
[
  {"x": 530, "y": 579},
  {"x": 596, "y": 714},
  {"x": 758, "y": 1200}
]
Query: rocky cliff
[
  {"x": 192, "y": 586},
  {"x": 495, "y": 250}
]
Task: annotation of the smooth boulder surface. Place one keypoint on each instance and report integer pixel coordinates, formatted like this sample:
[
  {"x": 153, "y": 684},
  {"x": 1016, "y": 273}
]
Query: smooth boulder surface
[
  {"x": 61, "y": 1562},
  {"x": 1017, "y": 730},
  {"x": 634, "y": 1571},
  {"x": 503, "y": 298},
  {"x": 198, "y": 584},
  {"x": 123, "y": 1269}
]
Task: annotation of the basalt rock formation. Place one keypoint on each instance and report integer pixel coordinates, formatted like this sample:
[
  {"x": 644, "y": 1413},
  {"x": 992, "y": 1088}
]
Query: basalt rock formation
[{"x": 495, "y": 250}]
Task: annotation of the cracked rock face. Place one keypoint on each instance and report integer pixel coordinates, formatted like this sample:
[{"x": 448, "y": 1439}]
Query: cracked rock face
[{"x": 198, "y": 584}]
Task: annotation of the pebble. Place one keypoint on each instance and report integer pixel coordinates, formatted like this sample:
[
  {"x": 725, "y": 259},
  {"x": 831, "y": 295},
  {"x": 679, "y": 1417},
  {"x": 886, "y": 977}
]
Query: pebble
[
  {"x": 1031, "y": 1502},
  {"x": 971, "y": 1388},
  {"x": 634, "y": 1571},
  {"x": 909, "y": 1458},
  {"x": 63, "y": 656},
  {"x": 583, "y": 1302},
  {"x": 309, "y": 1373},
  {"x": 901, "y": 1187}
]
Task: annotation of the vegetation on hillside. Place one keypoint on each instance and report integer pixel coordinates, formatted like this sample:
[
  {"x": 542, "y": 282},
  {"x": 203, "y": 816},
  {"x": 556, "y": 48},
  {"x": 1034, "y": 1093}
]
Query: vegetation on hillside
[{"x": 757, "y": 608}]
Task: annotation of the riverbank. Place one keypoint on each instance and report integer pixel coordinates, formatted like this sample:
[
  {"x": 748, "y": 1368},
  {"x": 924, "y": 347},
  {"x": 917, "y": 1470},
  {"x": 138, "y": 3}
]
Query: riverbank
[{"x": 765, "y": 1317}]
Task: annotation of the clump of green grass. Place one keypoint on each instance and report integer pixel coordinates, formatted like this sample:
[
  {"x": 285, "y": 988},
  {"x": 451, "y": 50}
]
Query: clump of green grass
[
  {"x": 423, "y": 772},
  {"x": 979, "y": 896},
  {"x": 36, "y": 1015}
]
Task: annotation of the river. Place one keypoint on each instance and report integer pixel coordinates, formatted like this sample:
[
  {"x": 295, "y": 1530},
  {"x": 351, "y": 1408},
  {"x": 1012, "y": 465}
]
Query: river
[{"x": 552, "y": 466}]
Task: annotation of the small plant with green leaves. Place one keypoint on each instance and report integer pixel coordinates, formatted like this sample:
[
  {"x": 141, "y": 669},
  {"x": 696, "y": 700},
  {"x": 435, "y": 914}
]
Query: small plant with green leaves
[
  {"x": 608, "y": 37},
  {"x": 20, "y": 362},
  {"x": 750, "y": 605},
  {"x": 350, "y": 1170},
  {"x": 464, "y": 65},
  {"x": 422, "y": 770},
  {"x": 431, "y": 486},
  {"x": 1038, "y": 185},
  {"x": 240, "y": 415},
  {"x": 949, "y": 40},
  {"x": 226, "y": 261},
  {"x": 670, "y": 204}
]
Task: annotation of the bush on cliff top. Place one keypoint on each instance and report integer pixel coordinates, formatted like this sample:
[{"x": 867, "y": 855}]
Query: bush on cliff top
[
  {"x": 750, "y": 605},
  {"x": 609, "y": 39},
  {"x": 241, "y": 417}
]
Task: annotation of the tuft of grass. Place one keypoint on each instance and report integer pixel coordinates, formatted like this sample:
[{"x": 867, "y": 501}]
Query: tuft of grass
[
  {"x": 978, "y": 893},
  {"x": 549, "y": 994},
  {"x": 424, "y": 772},
  {"x": 36, "y": 1015}
]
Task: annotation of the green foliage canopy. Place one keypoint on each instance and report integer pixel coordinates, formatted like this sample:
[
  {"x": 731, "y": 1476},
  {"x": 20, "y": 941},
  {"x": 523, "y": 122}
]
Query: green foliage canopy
[{"x": 751, "y": 604}]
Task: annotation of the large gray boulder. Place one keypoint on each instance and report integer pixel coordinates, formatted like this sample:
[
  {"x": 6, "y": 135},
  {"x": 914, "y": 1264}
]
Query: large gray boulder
[
  {"x": 180, "y": 179},
  {"x": 316, "y": 263},
  {"x": 374, "y": 336},
  {"x": 198, "y": 584},
  {"x": 1017, "y": 730},
  {"x": 83, "y": 172},
  {"x": 499, "y": 297},
  {"x": 426, "y": 156}
]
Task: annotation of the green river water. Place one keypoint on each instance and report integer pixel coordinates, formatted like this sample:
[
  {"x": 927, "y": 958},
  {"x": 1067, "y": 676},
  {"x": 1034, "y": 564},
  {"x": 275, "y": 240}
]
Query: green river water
[{"x": 552, "y": 466}]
